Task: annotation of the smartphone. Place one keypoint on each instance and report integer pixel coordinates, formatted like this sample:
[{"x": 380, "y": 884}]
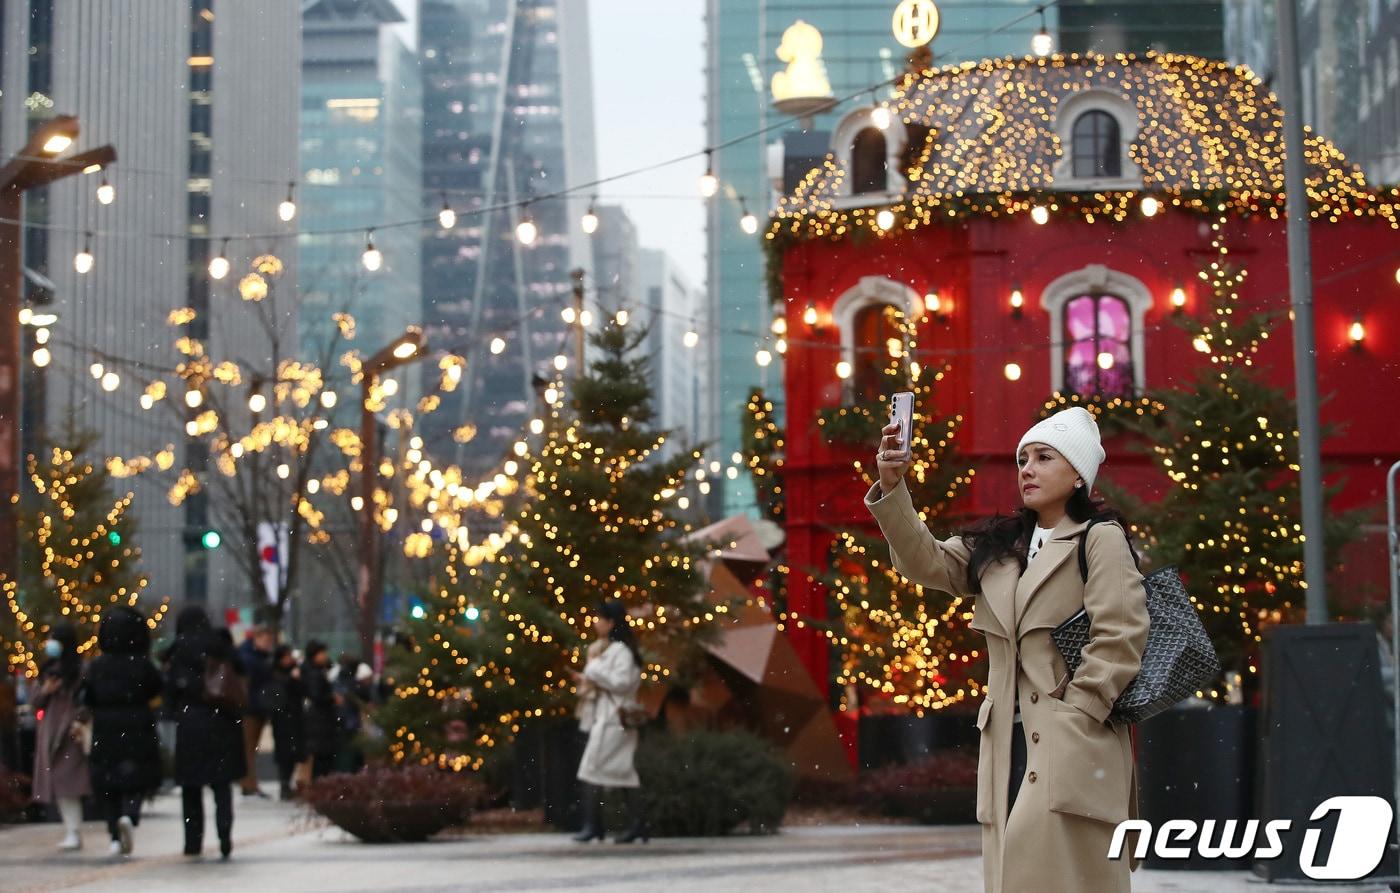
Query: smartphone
[{"x": 902, "y": 414}]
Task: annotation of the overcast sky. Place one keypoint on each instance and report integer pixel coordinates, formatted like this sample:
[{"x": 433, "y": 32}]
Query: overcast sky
[{"x": 649, "y": 89}]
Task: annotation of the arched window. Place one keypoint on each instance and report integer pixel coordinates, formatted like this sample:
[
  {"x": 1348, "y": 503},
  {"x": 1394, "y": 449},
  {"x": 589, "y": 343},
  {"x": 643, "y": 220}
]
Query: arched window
[
  {"x": 876, "y": 335},
  {"x": 869, "y": 165},
  {"x": 1097, "y": 147},
  {"x": 1098, "y": 331}
]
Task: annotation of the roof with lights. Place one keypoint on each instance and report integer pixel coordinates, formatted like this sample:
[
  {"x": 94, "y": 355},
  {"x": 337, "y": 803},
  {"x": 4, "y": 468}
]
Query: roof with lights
[{"x": 1207, "y": 134}]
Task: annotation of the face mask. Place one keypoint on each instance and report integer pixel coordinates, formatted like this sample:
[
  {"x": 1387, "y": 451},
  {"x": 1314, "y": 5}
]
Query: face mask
[{"x": 53, "y": 648}]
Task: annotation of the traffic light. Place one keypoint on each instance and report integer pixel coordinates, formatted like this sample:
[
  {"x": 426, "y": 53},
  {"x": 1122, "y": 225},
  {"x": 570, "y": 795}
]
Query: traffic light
[{"x": 211, "y": 539}]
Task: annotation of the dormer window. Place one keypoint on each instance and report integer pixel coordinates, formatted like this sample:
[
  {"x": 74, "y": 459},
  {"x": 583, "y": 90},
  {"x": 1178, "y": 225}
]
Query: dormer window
[
  {"x": 1097, "y": 146},
  {"x": 869, "y": 162}
]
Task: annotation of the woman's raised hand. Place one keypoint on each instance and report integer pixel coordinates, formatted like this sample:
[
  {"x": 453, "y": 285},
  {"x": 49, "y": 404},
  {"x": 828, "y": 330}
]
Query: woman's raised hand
[{"x": 891, "y": 458}]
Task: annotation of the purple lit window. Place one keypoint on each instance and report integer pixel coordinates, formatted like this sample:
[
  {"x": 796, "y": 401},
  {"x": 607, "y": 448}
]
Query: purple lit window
[{"x": 1098, "y": 356}]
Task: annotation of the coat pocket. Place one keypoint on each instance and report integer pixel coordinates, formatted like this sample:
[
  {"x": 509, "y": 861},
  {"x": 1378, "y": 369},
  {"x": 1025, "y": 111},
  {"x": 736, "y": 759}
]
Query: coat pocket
[
  {"x": 986, "y": 814},
  {"x": 1090, "y": 765}
]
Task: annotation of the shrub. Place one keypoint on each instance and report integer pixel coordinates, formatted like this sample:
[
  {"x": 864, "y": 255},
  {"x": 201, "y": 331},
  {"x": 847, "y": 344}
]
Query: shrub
[
  {"x": 709, "y": 783},
  {"x": 395, "y": 805},
  {"x": 940, "y": 789}
]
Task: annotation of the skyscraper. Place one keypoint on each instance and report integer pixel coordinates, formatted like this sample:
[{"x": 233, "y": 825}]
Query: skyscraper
[
  {"x": 199, "y": 97},
  {"x": 361, "y": 160},
  {"x": 677, "y": 359},
  {"x": 507, "y": 119},
  {"x": 859, "y": 51}
]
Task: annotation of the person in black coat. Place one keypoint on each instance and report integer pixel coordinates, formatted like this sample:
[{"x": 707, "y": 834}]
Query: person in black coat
[
  {"x": 256, "y": 655},
  {"x": 284, "y": 698},
  {"x": 119, "y": 688},
  {"x": 208, "y": 738},
  {"x": 322, "y": 710}
]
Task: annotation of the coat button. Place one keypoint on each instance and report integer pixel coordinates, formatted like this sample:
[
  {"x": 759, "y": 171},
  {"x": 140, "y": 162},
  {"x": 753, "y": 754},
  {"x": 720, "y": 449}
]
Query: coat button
[
  {"x": 1031, "y": 778},
  {"x": 1035, "y": 737},
  {"x": 1035, "y": 697}
]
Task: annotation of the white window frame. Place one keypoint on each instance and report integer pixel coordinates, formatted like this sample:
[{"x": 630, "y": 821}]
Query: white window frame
[
  {"x": 869, "y": 291},
  {"x": 1069, "y": 111},
  {"x": 1096, "y": 279},
  {"x": 843, "y": 141}
]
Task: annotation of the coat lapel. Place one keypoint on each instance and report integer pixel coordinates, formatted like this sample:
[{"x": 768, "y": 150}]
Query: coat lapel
[
  {"x": 999, "y": 595},
  {"x": 1062, "y": 545}
]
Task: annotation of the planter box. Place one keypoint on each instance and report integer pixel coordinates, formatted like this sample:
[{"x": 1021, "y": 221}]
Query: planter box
[{"x": 1197, "y": 763}]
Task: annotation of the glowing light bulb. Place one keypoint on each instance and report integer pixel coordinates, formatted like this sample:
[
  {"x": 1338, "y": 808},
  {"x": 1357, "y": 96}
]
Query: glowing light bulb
[
  {"x": 288, "y": 208},
  {"x": 111, "y": 381},
  {"x": 357, "y": 503},
  {"x": 498, "y": 345},
  {"x": 1357, "y": 333},
  {"x": 589, "y": 222},
  {"x": 763, "y": 357},
  {"x": 257, "y": 403},
  {"x": 218, "y": 267},
  {"x": 328, "y": 399},
  {"x": 526, "y": 231},
  {"x": 691, "y": 338},
  {"x": 1042, "y": 44},
  {"x": 147, "y": 401},
  {"x": 568, "y": 315},
  {"x": 709, "y": 183},
  {"x": 1105, "y": 360},
  {"x": 193, "y": 399},
  {"x": 96, "y": 370},
  {"x": 41, "y": 357},
  {"x": 748, "y": 223},
  {"x": 809, "y": 315},
  {"x": 1040, "y": 215},
  {"x": 1150, "y": 206},
  {"x": 373, "y": 258},
  {"x": 447, "y": 218},
  {"x": 843, "y": 370},
  {"x": 622, "y": 317},
  {"x": 1018, "y": 300},
  {"x": 561, "y": 362},
  {"x": 106, "y": 192},
  {"x": 880, "y": 116},
  {"x": 885, "y": 219},
  {"x": 83, "y": 261},
  {"x": 1178, "y": 297},
  {"x": 1012, "y": 372}
]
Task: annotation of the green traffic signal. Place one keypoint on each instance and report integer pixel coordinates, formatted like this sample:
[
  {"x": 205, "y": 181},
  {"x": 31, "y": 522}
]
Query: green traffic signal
[
  {"x": 211, "y": 539},
  {"x": 114, "y": 538}
]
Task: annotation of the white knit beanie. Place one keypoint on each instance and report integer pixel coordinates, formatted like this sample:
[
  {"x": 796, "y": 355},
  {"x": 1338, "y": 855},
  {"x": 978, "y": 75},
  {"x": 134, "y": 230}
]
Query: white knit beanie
[{"x": 1075, "y": 434}]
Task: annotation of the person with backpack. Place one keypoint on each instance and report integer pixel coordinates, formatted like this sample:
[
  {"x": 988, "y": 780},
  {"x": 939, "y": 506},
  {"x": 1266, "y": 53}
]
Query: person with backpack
[
  {"x": 1054, "y": 776},
  {"x": 208, "y": 695},
  {"x": 118, "y": 688}
]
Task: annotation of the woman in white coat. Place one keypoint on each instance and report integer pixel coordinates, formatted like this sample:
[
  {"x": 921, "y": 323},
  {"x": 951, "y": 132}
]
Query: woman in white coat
[{"x": 607, "y": 685}]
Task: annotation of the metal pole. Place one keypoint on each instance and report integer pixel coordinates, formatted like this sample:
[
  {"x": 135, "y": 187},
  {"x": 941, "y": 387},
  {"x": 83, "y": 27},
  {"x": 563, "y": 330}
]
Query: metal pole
[
  {"x": 1301, "y": 299},
  {"x": 11, "y": 366},
  {"x": 578, "y": 320},
  {"x": 1392, "y": 530},
  {"x": 369, "y": 594}
]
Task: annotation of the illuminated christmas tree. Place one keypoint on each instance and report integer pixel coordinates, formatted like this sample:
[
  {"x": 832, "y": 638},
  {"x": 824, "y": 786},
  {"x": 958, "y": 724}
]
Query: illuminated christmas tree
[
  {"x": 596, "y": 517},
  {"x": 1232, "y": 523},
  {"x": 77, "y": 552}
]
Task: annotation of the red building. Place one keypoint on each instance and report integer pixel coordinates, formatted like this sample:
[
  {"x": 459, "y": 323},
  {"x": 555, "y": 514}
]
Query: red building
[{"x": 1042, "y": 213}]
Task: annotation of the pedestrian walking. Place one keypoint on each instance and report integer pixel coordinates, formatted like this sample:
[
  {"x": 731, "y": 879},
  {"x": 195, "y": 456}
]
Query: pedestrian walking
[
  {"x": 284, "y": 697},
  {"x": 609, "y": 684},
  {"x": 322, "y": 709},
  {"x": 207, "y": 692},
  {"x": 61, "y": 776},
  {"x": 256, "y": 656},
  {"x": 352, "y": 680},
  {"x": 1054, "y": 777},
  {"x": 118, "y": 688}
]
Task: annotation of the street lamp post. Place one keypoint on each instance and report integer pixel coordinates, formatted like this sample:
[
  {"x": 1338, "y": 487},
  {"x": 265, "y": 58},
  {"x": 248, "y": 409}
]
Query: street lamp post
[
  {"x": 37, "y": 164},
  {"x": 407, "y": 348}
]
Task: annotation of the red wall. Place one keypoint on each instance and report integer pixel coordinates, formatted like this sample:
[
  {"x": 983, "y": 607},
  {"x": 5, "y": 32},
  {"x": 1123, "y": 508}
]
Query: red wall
[{"x": 976, "y": 263}]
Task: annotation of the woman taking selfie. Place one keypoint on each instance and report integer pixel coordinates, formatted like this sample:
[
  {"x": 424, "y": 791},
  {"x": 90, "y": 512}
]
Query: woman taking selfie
[{"x": 1054, "y": 777}]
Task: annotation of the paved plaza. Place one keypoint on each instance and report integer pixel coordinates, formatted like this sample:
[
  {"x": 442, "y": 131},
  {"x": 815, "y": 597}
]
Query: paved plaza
[{"x": 277, "y": 847}]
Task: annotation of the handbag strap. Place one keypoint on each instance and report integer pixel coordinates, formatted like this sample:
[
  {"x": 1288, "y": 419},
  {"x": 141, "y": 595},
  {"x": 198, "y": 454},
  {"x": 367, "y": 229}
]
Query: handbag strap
[{"x": 1084, "y": 551}]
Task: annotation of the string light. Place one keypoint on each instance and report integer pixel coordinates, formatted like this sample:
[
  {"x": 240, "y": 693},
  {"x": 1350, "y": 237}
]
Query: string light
[
  {"x": 1018, "y": 301},
  {"x": 1149, "y": 206},
  {"x": 885, "y": 219},
  {"x": 1012, "y": 372},
  {"x": 1040, "y": 215},
  {"x": 763, "y": 357},
  {"x": 747, "y": 221},
  {"x": 590, "y": 218},
  {"x": 526, "y": 231},
  {"x": 287, "y": 210},
  {"x": 880, "y": 116},
  {"x": 219, "y": 266},
  {"x": 41, "y": 357},
  {"x": 257, "y": 403},
  {"x": 569, "y": 315},
  {"x": 691, "y": 338},
  {"x": 111, "y": 381},
  {"x": 193, "y": 398},
  {"x": 447, "y": 218},
  {"x": 106, "y": 192},
  {"x": 96, "y": 370},
  {"x": 328, "y": 399},
  {"x": 1178, "y": 298},
  {"x": 83, "y": 260},
  {"x": 809, "y": 314},
  {"x": 498, "y": 345},
  {"x": 373, "y": 258},
  {"x": 622, "y": 317},
  {"x": 843, "y": 370},
  {"x": 709, "y": 183},
  {"x": 1042, "y": 44},
  {"x": 779, "y": 326}
]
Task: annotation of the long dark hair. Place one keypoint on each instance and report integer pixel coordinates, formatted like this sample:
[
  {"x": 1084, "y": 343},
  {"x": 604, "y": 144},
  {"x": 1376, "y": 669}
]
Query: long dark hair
[
  {"x": 68, "y": 666},
  {"x": 1008, "y": 536},
  {"x": 616, "y": 611}
]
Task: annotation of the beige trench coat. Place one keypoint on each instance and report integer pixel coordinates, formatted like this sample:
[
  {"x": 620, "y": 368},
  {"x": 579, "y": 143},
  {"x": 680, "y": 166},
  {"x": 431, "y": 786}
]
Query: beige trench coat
[
  {"x": 608, "y": 758},
  {"x": 1080, "y": 777}
]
